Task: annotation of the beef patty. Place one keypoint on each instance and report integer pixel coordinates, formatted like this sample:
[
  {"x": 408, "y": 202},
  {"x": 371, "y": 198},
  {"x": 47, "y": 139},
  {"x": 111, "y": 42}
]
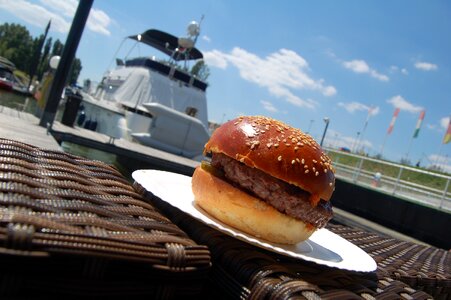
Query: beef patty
[{"x": 285, "y": 197}]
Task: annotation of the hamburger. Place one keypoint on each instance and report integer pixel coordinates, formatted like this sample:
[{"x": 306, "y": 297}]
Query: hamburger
[{"x": 265, "y": 178}]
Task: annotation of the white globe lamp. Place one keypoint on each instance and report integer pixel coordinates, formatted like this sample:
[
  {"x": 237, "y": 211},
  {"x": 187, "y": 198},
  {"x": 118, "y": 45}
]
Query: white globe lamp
[{"x": 54, "y": 61}]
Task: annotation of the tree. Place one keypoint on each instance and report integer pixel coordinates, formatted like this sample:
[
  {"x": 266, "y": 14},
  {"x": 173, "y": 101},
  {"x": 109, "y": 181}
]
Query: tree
[
  {"x": 16, "y": 44},
  {"x": 57, "y": 48},
  {"x": 75, "y": 71},
  {"x": 201, "y": 70}
]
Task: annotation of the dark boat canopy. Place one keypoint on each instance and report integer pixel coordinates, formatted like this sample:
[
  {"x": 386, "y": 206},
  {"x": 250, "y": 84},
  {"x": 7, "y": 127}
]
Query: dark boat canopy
[{"x": 166, "y": 43}]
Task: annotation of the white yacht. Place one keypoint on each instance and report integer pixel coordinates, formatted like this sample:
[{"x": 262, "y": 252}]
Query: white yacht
[{"x": 153, "y": 102}]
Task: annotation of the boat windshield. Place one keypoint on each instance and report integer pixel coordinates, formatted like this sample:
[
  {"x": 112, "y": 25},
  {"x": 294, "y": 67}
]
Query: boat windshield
[{"x": 6, "y": 74}]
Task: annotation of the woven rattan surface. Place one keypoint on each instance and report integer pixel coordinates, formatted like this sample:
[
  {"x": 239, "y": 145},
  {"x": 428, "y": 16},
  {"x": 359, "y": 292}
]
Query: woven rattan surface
[
  {"x": 423, "y": 267},
  {"x": 67, "y": 215},
  {"x": 241, "y": 270}
]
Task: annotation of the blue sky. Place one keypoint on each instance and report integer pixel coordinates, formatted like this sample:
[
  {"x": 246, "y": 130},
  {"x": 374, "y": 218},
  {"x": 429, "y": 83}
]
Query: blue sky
[{"x": 297, "y": 61}]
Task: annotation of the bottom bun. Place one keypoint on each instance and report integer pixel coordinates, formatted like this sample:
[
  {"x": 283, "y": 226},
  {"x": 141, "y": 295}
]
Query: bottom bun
[{"x": 245, "y": 212}]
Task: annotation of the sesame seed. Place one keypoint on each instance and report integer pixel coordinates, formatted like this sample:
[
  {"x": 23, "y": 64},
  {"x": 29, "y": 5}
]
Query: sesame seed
[
  {"x": 314, "y": 169},
  {"x": 297, "y": 159},
  {"x": 293, "y": 162},
  {"x": 302, "y": 161},
  {"x": 242, "y": 159},
  {"x": 314, "y": 161},
  {"x": 316, "y": 173},
  {"x": 279, "y": 158},
  {"x": 330, "y": 184},
  {"x": 276, "y": 145},
  {"x": 306, "y": 171},
  {"x": 296, "y": 148},
  {"x": 269, "y": 145},
  {"x": 325, "y": 170},
  {"x": 305, "y": 167}
]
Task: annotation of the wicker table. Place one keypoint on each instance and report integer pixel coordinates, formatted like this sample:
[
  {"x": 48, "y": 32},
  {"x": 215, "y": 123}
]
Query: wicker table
[
  {"x": 72, "y": 227},
  {"x": 242, "y": 271}
]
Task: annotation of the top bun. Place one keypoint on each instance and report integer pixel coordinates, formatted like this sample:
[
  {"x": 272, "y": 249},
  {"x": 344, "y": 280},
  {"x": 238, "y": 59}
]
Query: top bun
[{"x": 277, "y": 149}]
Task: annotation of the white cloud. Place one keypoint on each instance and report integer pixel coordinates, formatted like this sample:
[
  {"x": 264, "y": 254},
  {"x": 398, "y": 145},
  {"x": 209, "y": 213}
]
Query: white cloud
[
  {"x": 216, "y": 59},
  {"x": 425, "y": 66},
  {"x": 268, "y": 106},
  {"x": 35, "y": 14},
  {"x": 441, "y": 126},
  {"x": 360, "y": 66},
  {"x": 98, "y": 21},
  {"x": 66, "y": 8},
  {"x": 394, "y": 69},
  {"x": 206, "y": 38},
  {"x": 444, "y": 122},
  {"x": 280, "y": 73},
  {"x": 60, "y": 13},
  {"x": 357, "y": 106},
  {"x": 403, "y": 104},
  {"x": 439, "y": 161}
]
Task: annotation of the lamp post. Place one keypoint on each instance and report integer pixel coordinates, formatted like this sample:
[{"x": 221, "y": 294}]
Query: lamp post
[
  {"x": 64, "y": 65},
  {"x": 310, "y": 126},
  {"x": 326, "y": 120},
  {"x": 355, "y": 145}
]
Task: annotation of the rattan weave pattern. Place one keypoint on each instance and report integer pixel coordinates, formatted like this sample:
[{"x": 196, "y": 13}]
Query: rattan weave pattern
[
  {"x": 242, "y": 271},
  {"x": 54, "y": 204},
  {"x": 422, "y": 267}
]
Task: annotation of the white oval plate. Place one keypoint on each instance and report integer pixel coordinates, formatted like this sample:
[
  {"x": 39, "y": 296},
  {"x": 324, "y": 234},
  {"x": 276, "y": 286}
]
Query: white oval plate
[{"x": 323, "y": 247}]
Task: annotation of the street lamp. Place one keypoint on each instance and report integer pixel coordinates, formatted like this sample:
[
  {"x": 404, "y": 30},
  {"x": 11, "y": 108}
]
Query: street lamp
[
  {"x": 310, "y": 126},
  {"x": 355, "y": 145},
  {"x": 326, "y": 120}
]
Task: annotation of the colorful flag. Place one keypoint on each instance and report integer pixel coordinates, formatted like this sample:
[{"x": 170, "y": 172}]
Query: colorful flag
[
  {"x": 393, "y": 120},
  {"x": 420, "y": 120},
  {"x": 447, "y": 137}
]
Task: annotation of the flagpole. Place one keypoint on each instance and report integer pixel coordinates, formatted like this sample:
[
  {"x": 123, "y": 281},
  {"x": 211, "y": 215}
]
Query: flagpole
[
  {"x": 416, "y": 132},
  {"x": 439, "y": 155},
  {"x": 383, "y": 145},
  {"x": 446, "y": 140},
  {"x": 408, "y": 148},
  {"x": 362, "y": 133},
  {"x": 390, "y": 128}
]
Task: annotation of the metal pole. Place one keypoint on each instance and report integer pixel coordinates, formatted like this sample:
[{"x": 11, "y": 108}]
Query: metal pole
[
  {"x": 310, "y": 126},
  {"x": 445, "y": 191},
  {"x": 325, "y": 130},
  {"x": 356, "y": 175},
  {"x": 397, "y": 180},
  {"x": 408, "y": 149},
  {"x": 67, "y": 57},
  {"x": 383, "y": 145}
]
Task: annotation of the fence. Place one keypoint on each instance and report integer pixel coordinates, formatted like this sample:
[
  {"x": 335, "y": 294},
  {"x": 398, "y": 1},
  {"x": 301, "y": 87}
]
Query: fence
[{"x": 413, "y": 184}]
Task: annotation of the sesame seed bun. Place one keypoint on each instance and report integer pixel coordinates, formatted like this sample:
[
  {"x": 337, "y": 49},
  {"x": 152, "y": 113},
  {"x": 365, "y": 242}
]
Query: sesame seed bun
[
  {"x": 249, "y": 214},
  {"x": 277, "y": 149}
]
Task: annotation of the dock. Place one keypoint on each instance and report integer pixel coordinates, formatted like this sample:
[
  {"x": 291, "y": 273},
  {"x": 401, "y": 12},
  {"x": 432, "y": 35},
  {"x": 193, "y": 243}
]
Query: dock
[{"x": 22, "y": 126}]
